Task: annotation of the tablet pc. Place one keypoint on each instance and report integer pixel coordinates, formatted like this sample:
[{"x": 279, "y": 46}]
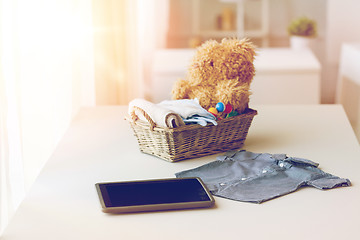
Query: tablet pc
[{"x": 153, "y": 195}]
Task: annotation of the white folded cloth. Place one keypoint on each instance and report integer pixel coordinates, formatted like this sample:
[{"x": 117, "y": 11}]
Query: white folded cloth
[
  {"x": 172, "y": 113},
  {"x": 160, "y": 115},
  {"x": 190, "y": 110}
]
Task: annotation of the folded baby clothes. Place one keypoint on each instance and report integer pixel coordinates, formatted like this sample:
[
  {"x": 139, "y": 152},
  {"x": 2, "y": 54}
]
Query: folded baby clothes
[
  {"x": 190, "y": 111},
  {"x": 258, "y": 177},
  {"x": 160, "y": 115},
  {"x": 203, "y": 121}
]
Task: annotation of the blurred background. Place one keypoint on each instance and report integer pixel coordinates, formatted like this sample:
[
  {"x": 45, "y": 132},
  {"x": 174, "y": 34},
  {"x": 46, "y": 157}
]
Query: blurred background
[{"x": 60, "y": 55}]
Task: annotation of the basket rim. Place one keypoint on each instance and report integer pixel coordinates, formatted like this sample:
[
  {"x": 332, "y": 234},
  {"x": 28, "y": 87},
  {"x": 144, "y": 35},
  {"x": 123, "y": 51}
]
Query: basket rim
[{"x": 144, "y": 124}]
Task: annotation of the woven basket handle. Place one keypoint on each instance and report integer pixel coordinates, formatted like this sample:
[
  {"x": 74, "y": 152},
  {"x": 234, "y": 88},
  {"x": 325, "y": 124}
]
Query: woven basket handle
[{"x": 134, "y": 117}]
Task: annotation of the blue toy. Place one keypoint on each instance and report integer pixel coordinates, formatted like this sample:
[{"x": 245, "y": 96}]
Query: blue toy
[{"x": 220, "y": 107}]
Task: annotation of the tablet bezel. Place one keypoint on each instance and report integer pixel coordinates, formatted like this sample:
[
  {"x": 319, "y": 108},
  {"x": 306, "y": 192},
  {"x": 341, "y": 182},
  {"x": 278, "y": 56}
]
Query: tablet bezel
[{"x": 104, "y": 197}]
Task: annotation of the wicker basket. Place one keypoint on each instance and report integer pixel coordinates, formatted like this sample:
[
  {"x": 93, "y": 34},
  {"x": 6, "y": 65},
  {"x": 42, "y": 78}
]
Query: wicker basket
[{"x": 191, "y": 141}]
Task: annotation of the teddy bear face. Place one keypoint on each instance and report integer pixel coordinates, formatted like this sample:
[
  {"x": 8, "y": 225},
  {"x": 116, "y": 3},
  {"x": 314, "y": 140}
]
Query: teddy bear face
[{"x": 231, "y": 59}]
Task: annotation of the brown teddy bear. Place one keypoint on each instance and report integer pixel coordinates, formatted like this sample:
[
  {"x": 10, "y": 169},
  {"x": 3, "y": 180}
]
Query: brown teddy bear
[{"x": 219, "y": 72}]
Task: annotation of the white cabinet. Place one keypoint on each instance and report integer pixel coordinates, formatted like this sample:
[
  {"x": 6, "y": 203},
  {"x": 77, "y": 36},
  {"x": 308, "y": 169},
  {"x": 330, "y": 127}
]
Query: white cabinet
[
  {"x": 349, "y": 84},
  {"x": 286, "y": 76},
  {"x": 168, "y": 66},
  {"x": 283, "y": 75}
]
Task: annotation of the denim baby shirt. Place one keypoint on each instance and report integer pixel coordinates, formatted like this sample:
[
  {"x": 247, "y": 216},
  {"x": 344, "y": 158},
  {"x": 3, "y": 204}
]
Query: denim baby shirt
[{"x": 258, "y": 177}]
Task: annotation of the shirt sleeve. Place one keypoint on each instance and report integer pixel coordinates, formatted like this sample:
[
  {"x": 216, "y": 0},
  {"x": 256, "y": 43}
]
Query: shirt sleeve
[{"x": 329, "y": 182}]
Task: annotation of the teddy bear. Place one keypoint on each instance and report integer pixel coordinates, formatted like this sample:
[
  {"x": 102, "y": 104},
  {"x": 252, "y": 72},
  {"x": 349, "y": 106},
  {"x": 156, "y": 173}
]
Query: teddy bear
[{"x": 219, "y": 72}]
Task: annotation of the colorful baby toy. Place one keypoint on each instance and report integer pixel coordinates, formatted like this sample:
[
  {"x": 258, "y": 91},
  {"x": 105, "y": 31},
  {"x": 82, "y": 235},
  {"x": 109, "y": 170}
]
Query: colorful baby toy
[{"x": 221, "y": 110}]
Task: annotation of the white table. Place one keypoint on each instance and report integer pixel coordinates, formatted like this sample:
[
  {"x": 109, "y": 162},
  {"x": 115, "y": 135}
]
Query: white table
[
  {"x": 99, "y": 146},
  {"x": 283, "y": 75}
]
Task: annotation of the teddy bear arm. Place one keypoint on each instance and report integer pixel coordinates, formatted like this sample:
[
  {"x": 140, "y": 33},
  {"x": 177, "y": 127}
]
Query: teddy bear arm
[
  {"x": 234, "y": 94},
  {"x": 181, "y": 89}
]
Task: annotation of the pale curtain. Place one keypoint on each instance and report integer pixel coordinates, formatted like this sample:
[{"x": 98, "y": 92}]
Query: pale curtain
[
  {"x": 114, "y": 23},
  {"x": 126, "y": 34},
  {"x": 46, "y": 75},
  {"x": 12, "y": 185},
  {"x": 59, "y": 55}
]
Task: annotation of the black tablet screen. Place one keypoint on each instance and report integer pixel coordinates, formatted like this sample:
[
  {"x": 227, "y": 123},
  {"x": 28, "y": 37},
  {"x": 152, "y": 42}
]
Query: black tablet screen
[{"x": 177, "y": 190}]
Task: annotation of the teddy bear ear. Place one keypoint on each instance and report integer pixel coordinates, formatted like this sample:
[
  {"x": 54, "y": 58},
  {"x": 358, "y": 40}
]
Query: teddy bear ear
[
  {"x": 243, "y": 46},
  {"x": 208, "y": 46},
  {"x": 248, "y": 48}
]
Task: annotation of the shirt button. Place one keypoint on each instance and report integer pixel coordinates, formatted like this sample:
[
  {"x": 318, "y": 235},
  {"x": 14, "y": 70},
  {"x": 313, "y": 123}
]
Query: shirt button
[{"x": 281, "y": 164}]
